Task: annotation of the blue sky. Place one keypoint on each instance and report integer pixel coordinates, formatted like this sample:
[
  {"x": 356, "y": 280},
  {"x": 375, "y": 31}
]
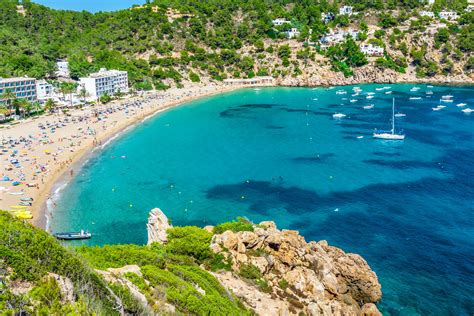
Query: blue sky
[{"x": 90, "y": 5}]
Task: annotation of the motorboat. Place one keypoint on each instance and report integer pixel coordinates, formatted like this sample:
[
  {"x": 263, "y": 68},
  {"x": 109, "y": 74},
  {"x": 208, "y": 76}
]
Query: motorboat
[{"x": 73, "y": 235}]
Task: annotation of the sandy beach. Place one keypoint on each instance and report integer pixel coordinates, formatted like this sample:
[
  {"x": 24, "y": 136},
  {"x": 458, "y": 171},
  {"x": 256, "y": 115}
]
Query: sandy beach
[{"x": 37, "y": 152}]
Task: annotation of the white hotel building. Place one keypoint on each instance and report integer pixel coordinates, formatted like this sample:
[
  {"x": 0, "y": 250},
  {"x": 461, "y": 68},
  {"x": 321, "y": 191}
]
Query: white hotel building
[
  {"x": 104, "y": 82},
  {"x": 22, "y": 88}
]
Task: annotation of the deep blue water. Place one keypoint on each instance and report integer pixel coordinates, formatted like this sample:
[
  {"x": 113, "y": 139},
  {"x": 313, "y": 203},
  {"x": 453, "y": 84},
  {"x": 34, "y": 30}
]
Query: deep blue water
[
  {"x": 277, "y": 154},
  {"x": 89, "y": 5}
]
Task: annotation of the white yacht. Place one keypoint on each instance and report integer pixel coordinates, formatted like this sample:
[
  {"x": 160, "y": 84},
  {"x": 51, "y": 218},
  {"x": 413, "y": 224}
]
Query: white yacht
[
  {"x": 390, "y": 135},
  {"x": 338, "y": 115},
  {"x": 461, "y": 104},
  {"x": 468, "y": 110},
  {"x": 368, "y": 107}
]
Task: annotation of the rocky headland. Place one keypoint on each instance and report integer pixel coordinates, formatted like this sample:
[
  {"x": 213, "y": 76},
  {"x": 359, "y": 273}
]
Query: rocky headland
[{"x": 276, "y": 272}]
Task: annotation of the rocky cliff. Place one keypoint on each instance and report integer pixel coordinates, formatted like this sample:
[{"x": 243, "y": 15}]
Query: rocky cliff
[
  {"x": 313, "y": 277},
  {"x": 276, "y": 272}
]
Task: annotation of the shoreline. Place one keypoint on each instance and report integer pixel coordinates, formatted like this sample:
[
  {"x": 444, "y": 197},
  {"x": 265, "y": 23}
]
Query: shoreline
[
  {"x": 80, "y": 159},
  {"x": 57, "y": 177},
  {"x": 77, "y": 158}
]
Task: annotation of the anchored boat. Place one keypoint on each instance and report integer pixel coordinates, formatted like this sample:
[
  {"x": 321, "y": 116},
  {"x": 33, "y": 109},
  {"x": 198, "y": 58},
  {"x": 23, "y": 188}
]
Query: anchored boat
[
  {"x": 73, "y": 235},
  {"x": 390, "y": 135}
]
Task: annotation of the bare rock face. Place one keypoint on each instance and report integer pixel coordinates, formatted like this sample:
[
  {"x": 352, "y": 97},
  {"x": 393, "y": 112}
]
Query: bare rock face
[
  {"x": 313, "y": 277},
  {"x": 157, "y": 226}
]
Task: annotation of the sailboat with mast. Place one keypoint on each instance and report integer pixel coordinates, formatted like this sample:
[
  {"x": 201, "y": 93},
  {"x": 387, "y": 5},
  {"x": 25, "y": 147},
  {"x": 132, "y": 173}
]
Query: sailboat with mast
[{"x": 390, "y": 135}]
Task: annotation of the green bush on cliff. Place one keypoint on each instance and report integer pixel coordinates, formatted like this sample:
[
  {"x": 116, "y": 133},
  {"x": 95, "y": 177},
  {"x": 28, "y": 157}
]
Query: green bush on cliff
[
  {"x": 193, "y": 290},
  {"x": 116, "y": 256},
  {"x": 239, "y": 225},
  {"x": 32, "y": 252},
  {"x": 189, "y": 241}
]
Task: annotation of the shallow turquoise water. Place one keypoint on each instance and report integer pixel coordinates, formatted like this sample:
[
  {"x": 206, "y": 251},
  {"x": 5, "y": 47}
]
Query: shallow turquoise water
[{"x": 277, "y": 153}]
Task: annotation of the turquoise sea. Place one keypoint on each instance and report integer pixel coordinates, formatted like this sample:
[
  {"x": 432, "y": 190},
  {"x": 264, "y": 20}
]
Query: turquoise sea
[{"x": 278, "y": 154}]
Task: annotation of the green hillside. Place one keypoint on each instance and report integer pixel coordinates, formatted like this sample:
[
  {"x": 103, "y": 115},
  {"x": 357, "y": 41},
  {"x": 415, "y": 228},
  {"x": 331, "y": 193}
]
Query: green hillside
[
  {"x": 166, "y": 275},
  {"x": 232, "y": 38}
]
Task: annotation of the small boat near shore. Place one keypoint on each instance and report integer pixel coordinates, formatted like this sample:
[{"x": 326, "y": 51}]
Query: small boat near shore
[
  {"x": 73, "y": 235},
  {"x": 461, "y": 104},
  {"x": 468, "y": 110},
  {"x": 338, "y": 115}
]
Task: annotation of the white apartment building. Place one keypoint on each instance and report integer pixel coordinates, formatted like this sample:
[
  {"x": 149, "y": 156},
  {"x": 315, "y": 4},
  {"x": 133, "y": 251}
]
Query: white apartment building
[
  {"x": 448, "y": 15},
  {"x": 371, "y": 50},
  {"x": 338, "y": 36},
  {"x": 103, "y": 82},
  {"x": 345, "y": 10},
  {"x": 327, "y": 17},
  {"x": 280, "y": 21},
  {"x": 22, "y": 88},
  {"x": 62, "y": 68},
  {"x": 292, "y": 33},
  {"x": 428, "y": 14},
  {"x": 44, "y": 90},
  {"x": 469, "y": 8}
]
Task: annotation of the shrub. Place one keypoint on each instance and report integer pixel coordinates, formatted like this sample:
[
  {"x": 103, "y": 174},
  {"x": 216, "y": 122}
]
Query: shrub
[
  {"x": 249, "y": 271},
  {"x": 194, "y": 77},
  {"x": 239, "y": 225},
  {"x": 190, "y": 241},
  {"x": 117, "y": 256}
]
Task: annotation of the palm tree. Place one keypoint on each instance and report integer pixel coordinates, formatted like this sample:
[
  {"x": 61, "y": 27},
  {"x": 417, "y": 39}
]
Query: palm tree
[
  {"x": 9, "y": 97},
  {"x": 50, "y": 105},
  {"x": 37, "y": 107},
  {"x": 67, "y": 88},
  {"x": 83, "y": 94},
  {"x": 24, "y": 106},
  {"x": 3, "y": 112}
]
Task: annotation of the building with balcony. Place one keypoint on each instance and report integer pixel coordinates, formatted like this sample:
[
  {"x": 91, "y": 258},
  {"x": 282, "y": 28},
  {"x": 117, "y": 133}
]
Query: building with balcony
[
  {"x": 44, "y": 90},
  {"x": 21, "y": 88},
  {"x": 105, "y": 81}
]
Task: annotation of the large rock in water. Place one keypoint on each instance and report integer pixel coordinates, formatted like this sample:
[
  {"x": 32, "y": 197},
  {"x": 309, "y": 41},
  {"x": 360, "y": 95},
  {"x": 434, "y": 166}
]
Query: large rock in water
[
  {"x": 157, "y": 226},
  {"x": 313, "y": 278}
]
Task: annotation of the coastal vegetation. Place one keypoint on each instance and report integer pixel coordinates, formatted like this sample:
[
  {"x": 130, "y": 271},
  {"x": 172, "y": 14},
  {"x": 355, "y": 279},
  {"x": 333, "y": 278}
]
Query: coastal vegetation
[
  {"x": 33, "y": 265},
  {"x": 200, "y": 41}
]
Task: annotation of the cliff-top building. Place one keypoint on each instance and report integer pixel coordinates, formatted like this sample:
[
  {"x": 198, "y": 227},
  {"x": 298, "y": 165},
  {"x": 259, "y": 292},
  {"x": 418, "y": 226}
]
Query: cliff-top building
[{"x": 105, "y": 81}]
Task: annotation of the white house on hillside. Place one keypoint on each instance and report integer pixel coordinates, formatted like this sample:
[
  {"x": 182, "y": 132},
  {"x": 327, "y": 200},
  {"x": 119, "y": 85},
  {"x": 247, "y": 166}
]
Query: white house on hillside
[
  {"x": 346, "y": 10},
  {"x": 280, "y": 21},
  {"x": 327, "y": 17},
  {"x": 448, "y": 15},
  {"x": 428, "y": 14},
  {"x": 371, "y": 50},
  {"x": 338, "y": 36},
  {"x": 292, "y": 33},
  {"x": 104, "y": 82},
  {"x": 469, "y": 8},
  {"x": 62, "y": 68}
]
